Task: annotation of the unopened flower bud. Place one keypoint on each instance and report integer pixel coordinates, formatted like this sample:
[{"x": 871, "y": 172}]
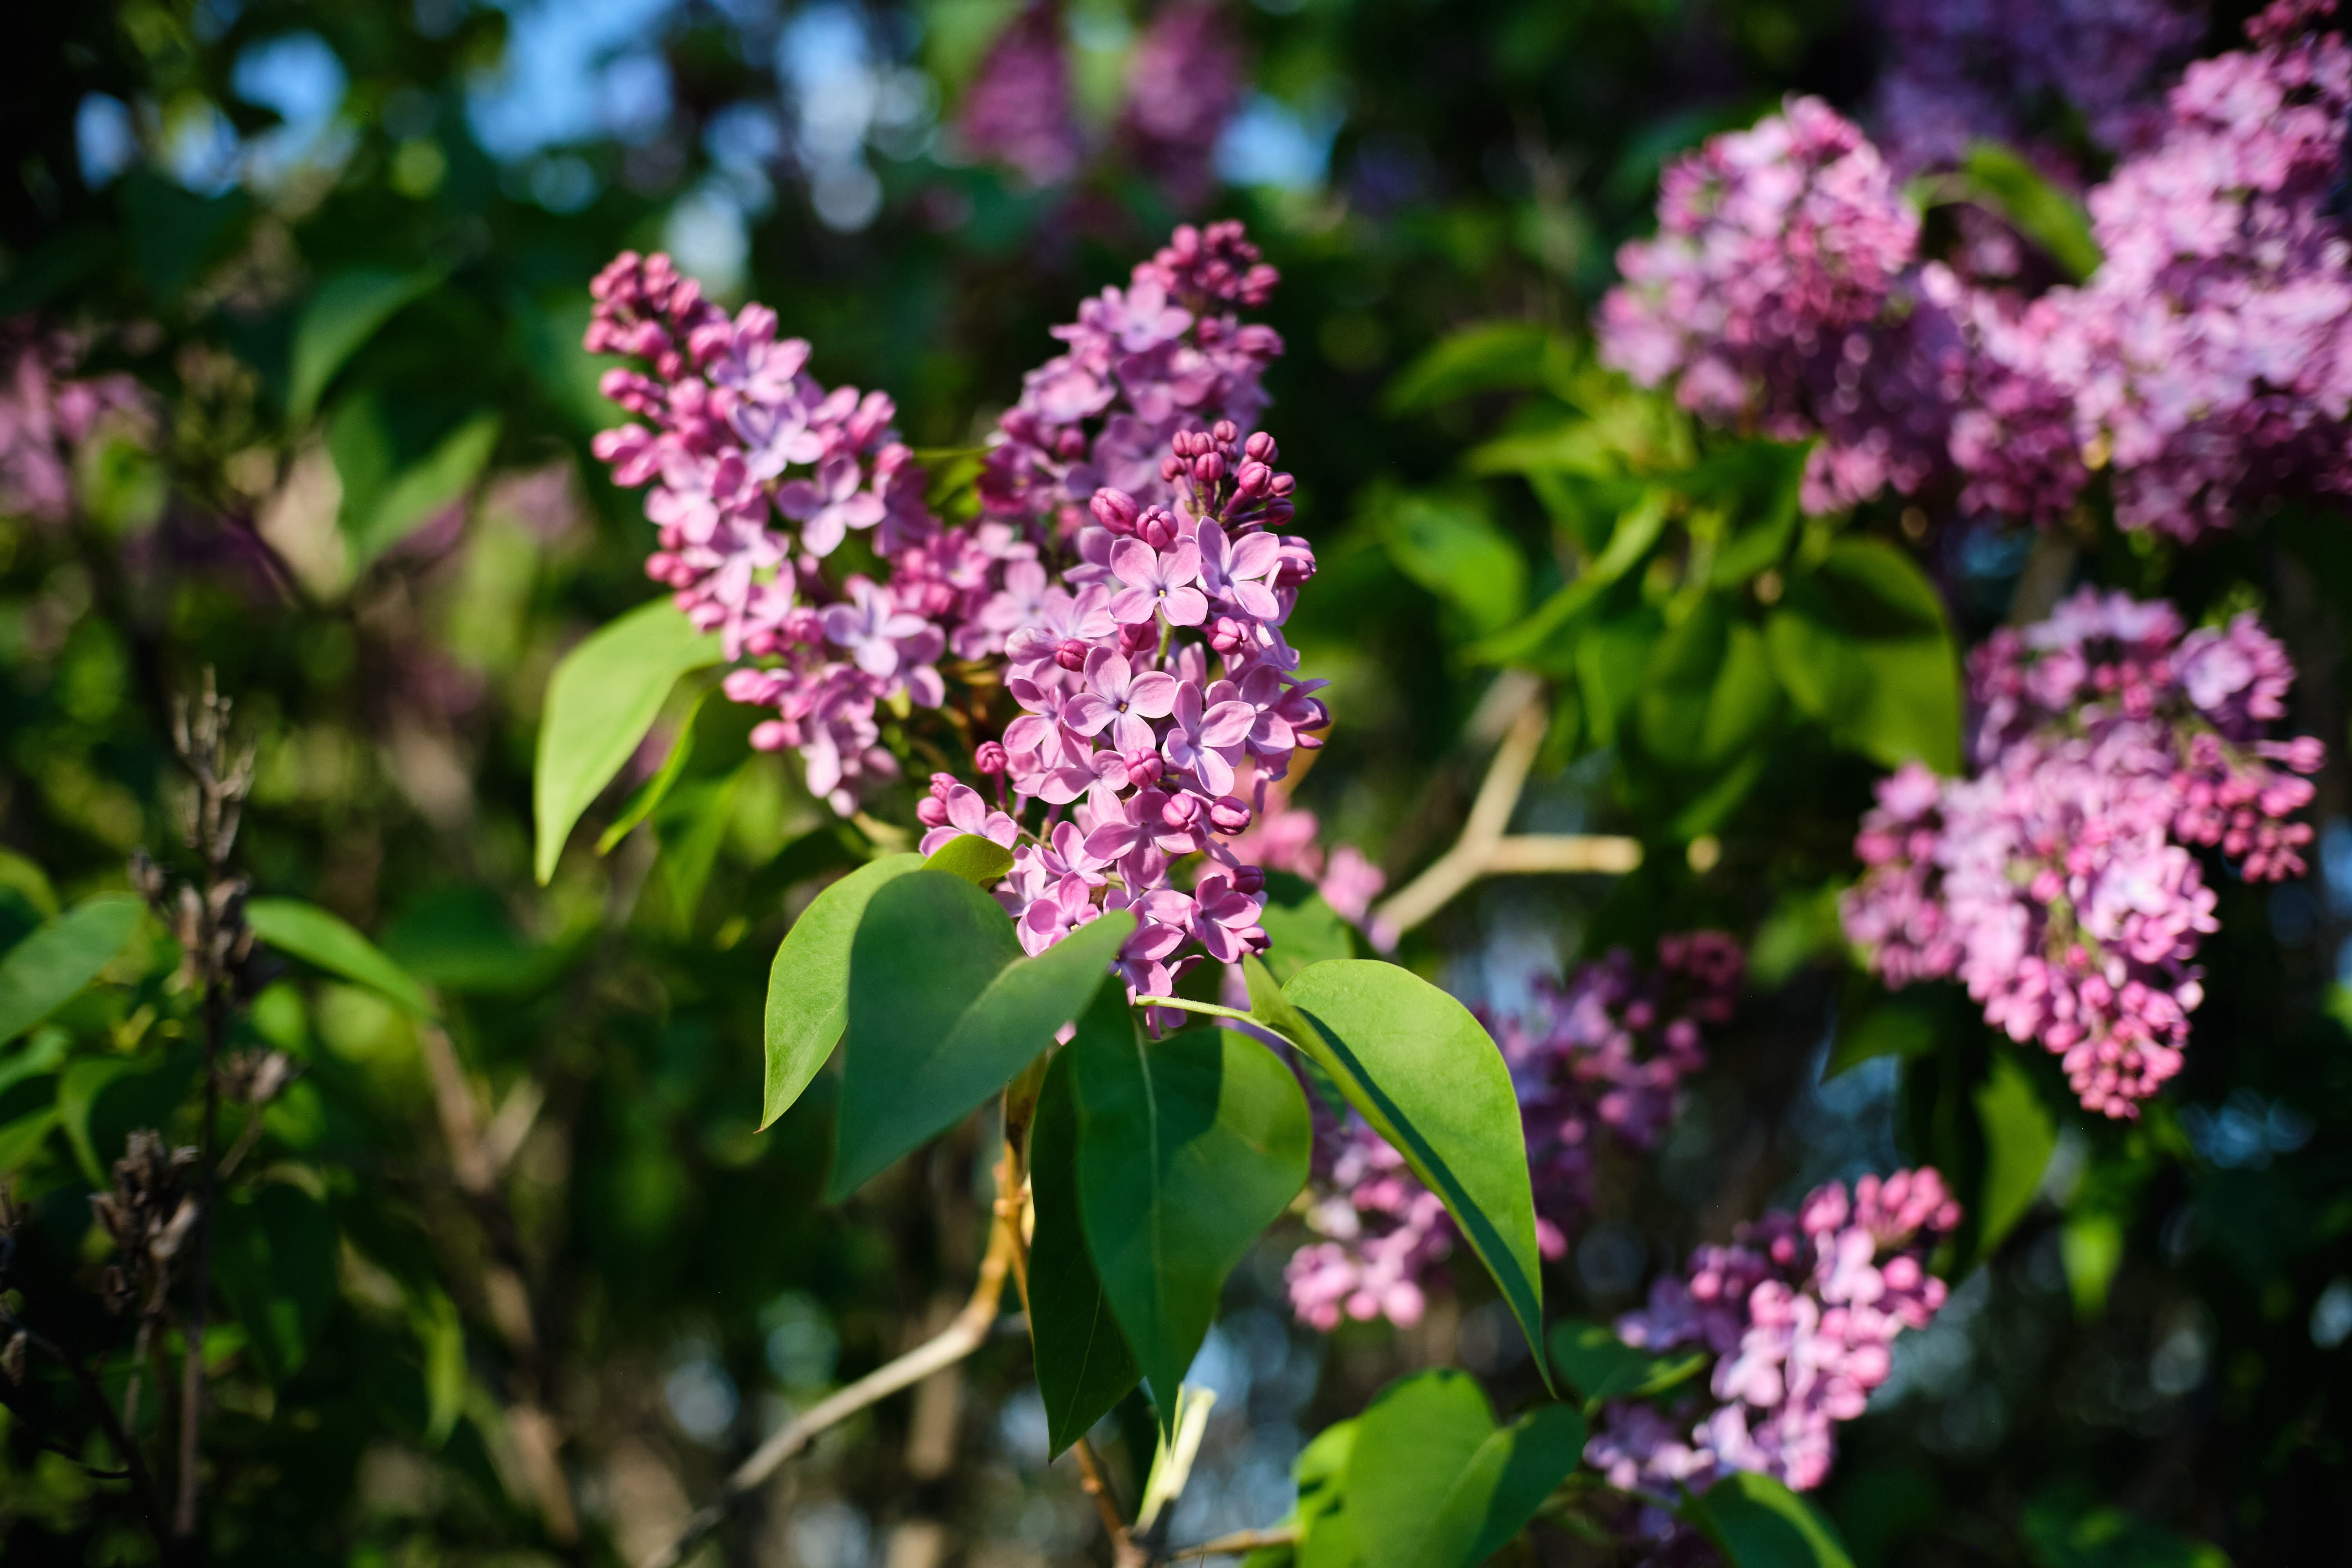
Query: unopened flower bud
[
  {"x": 1171, "y": 469},
  {"x": 1260, "y": 446},
  {"x": 1208, "y": 468},
  {"x": 1157, "y": 528},
  {"x": 1282, "y": 484},
  {"x": 1071, "y": 655},
  {"x": 1115, "y": 509},
  {"x": 1182, "y": 813},
  {"x": 1249, "y": 879},
  {"x": 1138, "y": 637},
  {"x": 1225, "y": 432},
  {"x": 1143, "y": 771},
  {"x": 1229, "y": 814},
  {"x": 932, "y": 813},
  {"x": 990, "y": 758},
  {"x": 1254, "y": 478}
]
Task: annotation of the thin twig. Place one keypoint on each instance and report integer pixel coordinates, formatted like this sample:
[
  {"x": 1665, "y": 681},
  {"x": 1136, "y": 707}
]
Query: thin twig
[
  {"x": 1484, "y": 849},
  {"x": 1239, "y": 1541},
  {"x": 959, "y": 1340}
]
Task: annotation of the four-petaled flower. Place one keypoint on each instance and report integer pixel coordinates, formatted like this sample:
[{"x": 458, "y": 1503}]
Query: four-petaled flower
[{"x": 1159, "y": 582}]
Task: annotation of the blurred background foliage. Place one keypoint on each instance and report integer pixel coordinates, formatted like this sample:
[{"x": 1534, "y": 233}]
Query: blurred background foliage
[{"x": 344, "y": 250}]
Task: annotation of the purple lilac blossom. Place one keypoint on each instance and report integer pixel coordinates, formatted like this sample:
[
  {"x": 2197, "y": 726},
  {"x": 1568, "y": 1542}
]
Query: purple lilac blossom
[
  {"x": 2209, "y": 361},
  {"x": 1780, "y": 296},
  {"x": 1166, "y": 355},
  {"x": 1960, "y": 71},
  {"x": 1140, "y": 639},
  {"x": 2060, "y": 881},
  {"x": 1017, "y": 111},
  {"x": 1602, "y": 1057},
  {"x": 1183, "y": 83},
  {"x": 1801, "y": 1313},
  {"x": 45, "y": 412}
]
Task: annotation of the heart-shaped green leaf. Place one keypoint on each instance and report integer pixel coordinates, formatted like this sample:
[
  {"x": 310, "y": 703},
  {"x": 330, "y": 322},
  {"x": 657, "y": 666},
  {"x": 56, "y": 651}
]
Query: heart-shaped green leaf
[
  {"x": 43, "y": 972},
  {"x": 943, "y": 1010},
  {"x": 327, "y": 941},
  {"x": 808, "y": 983},
  {"x": 1424, "y": 1073},
  {"x": 1083, "y": 1367},
  {"x": 1433, "y": 1483},
  {"x": 1188, "y": 1148},
  {"x": 601, "y": 700}
]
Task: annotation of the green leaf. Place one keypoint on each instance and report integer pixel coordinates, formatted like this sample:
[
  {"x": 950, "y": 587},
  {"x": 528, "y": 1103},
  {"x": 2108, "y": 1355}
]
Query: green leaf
[
  {"x": 808, "y": 983},
  {"x": 1611, "y": 661},
  {"x": 1709, "y": 690},
  {"x": 29, "y": 881},
  {"x": 441, "y": 1337},
  {"x": 1759, "y": 1523},
  {"x": 689, "y": 825},
  {"x": 1303, "y": 928},
  {"x": 1479, "y": 358},
  {"x": 1431, "y": 1483},
  {"x": 273, "y": 1255},
  {"x": 648, "y": 796},
  {"x": 1429, "y": 1081},
  {"x": 1188, "y": 1148},
  {"x": 326, "y": 941},
  {"x": 943, "y": 1010},
  {"x": 1599, "y": 1365},
  {"x": 43, "y": 972},
  {"x": 1864, "y": 647},
  {"x": 601, "y": 701},
  {"x": 1997, "y": 177},
  {"x": 1636, "y": 531},
  {"x": 374, "y": 524},
  {"x": 343, "y": 313},
  {"x": 1447, "y": 543},
  {"x": 980, "y": 861},
  {"x": 1083, "y": 1367},
  {"x": 2018, "y": 1135},
  {"x": 2066, "y": 1526}
]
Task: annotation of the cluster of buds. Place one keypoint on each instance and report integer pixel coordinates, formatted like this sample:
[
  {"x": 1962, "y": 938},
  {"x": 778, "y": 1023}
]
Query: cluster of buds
[{"x": 148, "y": 1214}]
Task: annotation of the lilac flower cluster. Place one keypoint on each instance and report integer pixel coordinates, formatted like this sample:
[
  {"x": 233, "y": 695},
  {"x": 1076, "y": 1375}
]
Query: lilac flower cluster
[
  {"x": 1139, "y": 641},
  {"x": 1800, "y": 1313},
  {"x": 2210, "y": 358},
  {"x": 2207, "y": 362},
  {"x": 758, "y": 473},
  {"x": 1603, "y": 1056},
  {"x": 2060, "y": 882},
  {"x": 1152, "y": 676},
  {"x": 1777, "y": 296},
  {"x": 45, "y": 412},
  {"x": 1959, "y": 73},
  {"x": 1017, "y": 111},
  {"x": 1287, "y": 837},
  {"x": 1168, "y": 353}
]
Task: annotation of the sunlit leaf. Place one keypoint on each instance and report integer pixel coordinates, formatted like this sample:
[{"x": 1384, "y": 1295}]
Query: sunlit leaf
[
  {"x": 1432, "y": 1483},
  {"x": 808, "y": 983},
  {"x": 980, "y": 861},
  {"x": 1188, "y": 1148},
  {"x": 944, "y": 1009},
  {"x": 601, "y": 699},
  {"x": 341, "y": 314},
  {"x": 1759, "y": 1523},
  {"x": 2019, "y": 1134},
  {"x": 1599, "y": 1365},
  {"x": 327, "y": 941}
]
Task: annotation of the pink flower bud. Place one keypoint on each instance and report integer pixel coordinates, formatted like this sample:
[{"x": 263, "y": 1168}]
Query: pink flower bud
[
  {"x": 1182, "y": 812},
  {"x": 1253, "y": 479},
  {"x": 990, "y": 758},
  {"x": 1229, "y": 814},
  {"x": 1249, "y": 879},
  {"x": 1225, "y": 432},
  {"x": 1260, "y": 446},
  {"x": 1071, "y": 655},
  {"x": 1171, "y": 469},
  {"x": 932, "y": 813},
  {"x": 1208, "y": 468},
  {"x": 1115, "y": 509}
]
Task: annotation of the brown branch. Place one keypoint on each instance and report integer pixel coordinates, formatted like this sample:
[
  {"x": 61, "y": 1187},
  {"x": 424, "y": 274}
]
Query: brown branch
[
  {"x": 1484, "y": 849},
  {"x": 966, "y": 1335}
]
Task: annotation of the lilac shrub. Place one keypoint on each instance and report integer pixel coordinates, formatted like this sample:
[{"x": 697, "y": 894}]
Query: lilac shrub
[
  {"x": 1138, "y": 637},
  {"x": 1599, "y": 1058},
  {"x": 1800, "y": 1313},
  {"x": 2061, "y": 881},
  {"x": 1017, "y": 111},
  {"x": 46, "y": 413}
]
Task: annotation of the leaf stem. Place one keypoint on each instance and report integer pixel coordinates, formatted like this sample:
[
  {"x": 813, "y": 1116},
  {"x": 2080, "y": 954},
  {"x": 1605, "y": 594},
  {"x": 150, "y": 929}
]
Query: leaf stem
[{"x": 1239, "y": 1541}]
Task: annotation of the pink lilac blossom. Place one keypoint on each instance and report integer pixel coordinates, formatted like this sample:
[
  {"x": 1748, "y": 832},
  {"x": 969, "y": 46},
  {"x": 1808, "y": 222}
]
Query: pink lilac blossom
[
  {"x": 45, "y": 412},
  {"x": 1800, "y": 1313},
  {"x": 1168, "y": 354},
  {"x": 2060, "y": 881},
  {"x": 1140, "y": 640},
  {"x": 2210, "y": 358},
  {"x": 1600, "y": 1057},
  {"x": 1183, "y": 83},
  {"x": 1286, "y": 837},
  {"x": 1780, "y": 296},
  {"x": 1017, "y": 111},
  {"x": 1961, "y": 70}
]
